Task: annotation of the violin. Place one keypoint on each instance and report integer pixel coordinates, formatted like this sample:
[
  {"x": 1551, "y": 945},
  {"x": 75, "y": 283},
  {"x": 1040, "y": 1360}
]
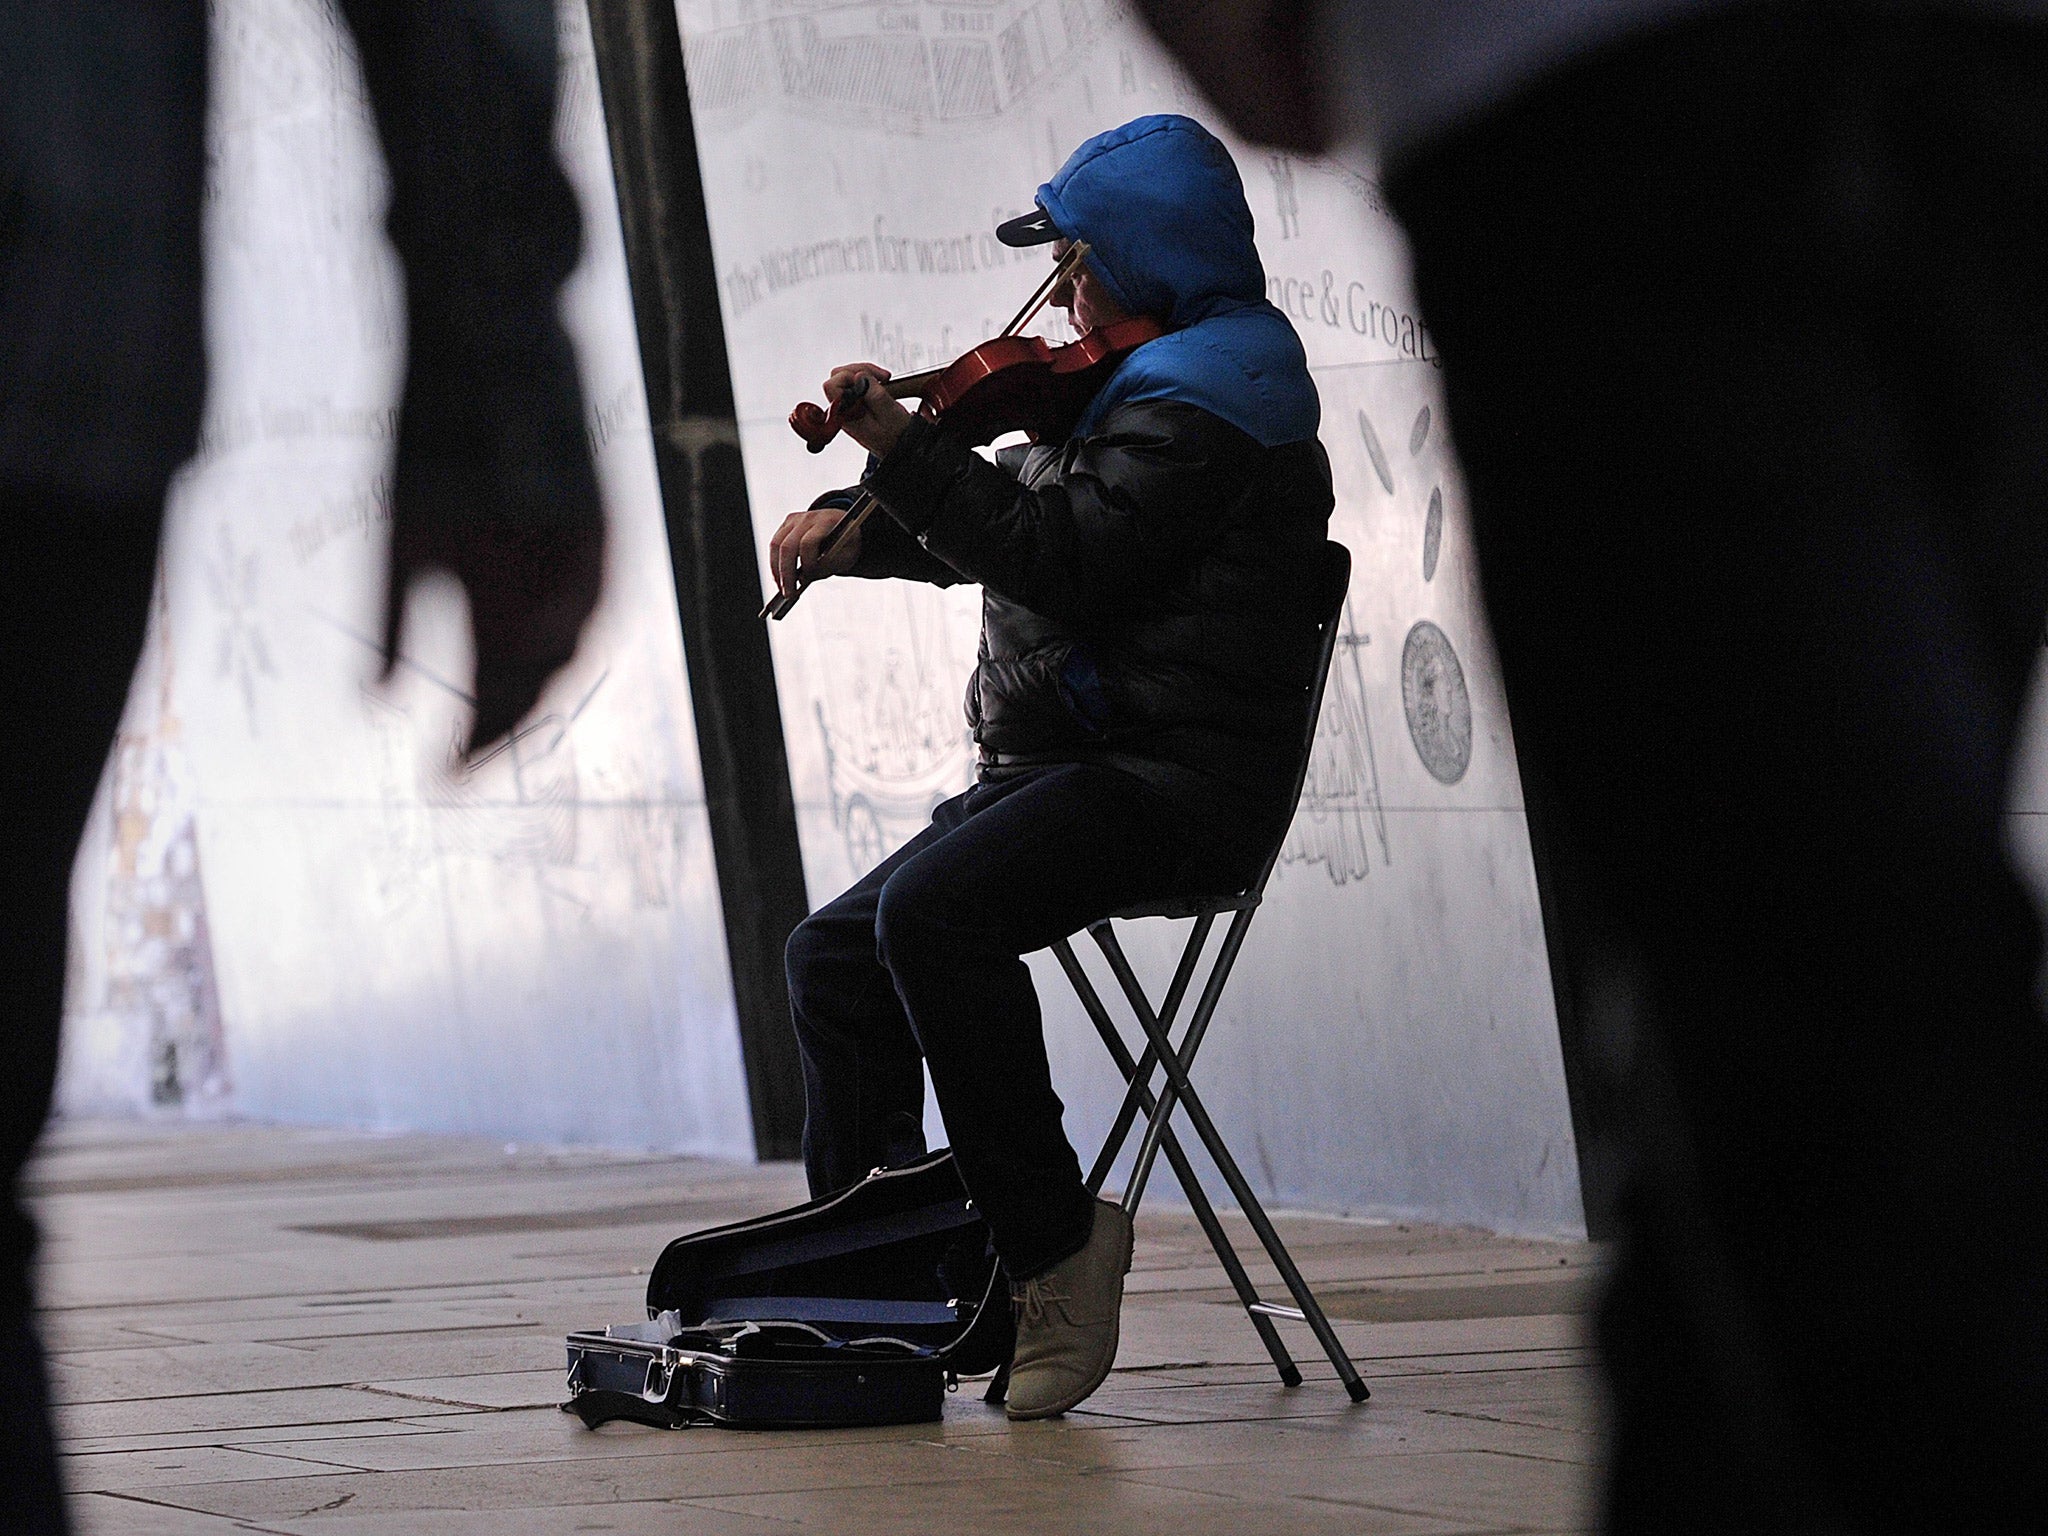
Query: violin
[{"x": 1010, "y": 383}]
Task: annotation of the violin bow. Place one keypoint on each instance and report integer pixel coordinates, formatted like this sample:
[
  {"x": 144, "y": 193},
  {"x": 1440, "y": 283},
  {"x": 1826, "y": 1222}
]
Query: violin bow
[
  {"x": 1061, "y": 271},
  {"x": 778, "y": 606}
]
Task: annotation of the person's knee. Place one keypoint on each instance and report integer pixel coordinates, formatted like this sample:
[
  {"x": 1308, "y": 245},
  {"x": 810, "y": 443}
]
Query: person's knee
[
  {"x": 806, "y": 962},
  {"x": 909, "y": 927}
]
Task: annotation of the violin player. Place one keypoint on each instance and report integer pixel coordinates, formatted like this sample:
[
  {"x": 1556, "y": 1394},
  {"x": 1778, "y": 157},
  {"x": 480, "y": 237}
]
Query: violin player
[{"x": 1148, "y": 635}]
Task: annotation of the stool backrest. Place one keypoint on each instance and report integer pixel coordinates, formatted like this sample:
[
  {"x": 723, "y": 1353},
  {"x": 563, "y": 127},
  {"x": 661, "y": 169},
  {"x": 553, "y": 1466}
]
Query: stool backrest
[{"x": 1333, "y": 585}]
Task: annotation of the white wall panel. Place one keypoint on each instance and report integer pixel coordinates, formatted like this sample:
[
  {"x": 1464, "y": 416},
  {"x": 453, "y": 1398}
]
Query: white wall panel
[
  {"x": 533, "y": 948},
  {"x": 1389, "y": 1044}
]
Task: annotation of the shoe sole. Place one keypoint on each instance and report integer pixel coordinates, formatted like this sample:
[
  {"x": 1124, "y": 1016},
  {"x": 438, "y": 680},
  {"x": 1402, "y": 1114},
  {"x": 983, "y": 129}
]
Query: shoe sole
[{"x": 1108, "y": 1356}]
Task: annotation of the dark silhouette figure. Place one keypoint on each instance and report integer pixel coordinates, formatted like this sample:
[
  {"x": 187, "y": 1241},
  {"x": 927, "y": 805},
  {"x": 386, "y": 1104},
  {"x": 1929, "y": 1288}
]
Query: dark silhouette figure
[
  {"x": 1745, "y": 340},
  {"x": 102, "y": 376}
]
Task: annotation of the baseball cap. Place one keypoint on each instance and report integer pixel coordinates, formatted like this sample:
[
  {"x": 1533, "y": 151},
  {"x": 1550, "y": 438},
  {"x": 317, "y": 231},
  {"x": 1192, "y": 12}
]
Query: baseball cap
[{"x": 1033, "y": 228}]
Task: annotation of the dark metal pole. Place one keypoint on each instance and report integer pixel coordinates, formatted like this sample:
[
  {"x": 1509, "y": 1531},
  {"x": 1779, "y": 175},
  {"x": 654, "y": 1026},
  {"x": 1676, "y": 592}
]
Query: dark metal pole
[{"x": 711, "y": 540}]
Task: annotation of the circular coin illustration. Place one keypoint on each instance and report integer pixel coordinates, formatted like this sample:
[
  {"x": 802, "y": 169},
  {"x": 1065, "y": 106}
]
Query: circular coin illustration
[{"x": 1438, "y": 707}]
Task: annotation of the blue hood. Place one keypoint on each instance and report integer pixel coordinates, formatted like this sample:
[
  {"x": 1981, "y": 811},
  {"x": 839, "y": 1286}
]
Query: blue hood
[{"x": 1161, "y": 207}]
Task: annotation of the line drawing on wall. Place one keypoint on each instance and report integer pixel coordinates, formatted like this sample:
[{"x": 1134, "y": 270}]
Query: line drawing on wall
[
  {"x": 234, "y": 580},
  {"x": 1340, "y": 813},
  {"x": 517, "y": 804},
  {"x": 537, "y": 823},
  {"x": 938, "y": 61},
  {"x": 896, "y": 741},
  {"x": 399, "y": 851}
]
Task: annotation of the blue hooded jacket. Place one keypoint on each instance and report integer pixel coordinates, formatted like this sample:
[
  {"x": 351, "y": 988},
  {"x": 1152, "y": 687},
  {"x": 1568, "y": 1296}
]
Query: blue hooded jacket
[{"x": 1161, "y": 207}]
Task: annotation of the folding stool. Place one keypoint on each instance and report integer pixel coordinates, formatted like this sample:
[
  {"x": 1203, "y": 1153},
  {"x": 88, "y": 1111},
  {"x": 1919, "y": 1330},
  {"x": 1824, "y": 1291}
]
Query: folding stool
[{"x": 1160, "y": 1052}]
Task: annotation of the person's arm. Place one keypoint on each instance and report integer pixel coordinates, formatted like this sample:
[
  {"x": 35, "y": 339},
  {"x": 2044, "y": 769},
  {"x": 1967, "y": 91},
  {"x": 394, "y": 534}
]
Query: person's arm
[
  {"x": 1136, "y": 503},
  {"x": 887, "y": 549},
  {"x": 877, "y": 548},
  {"x": 493, "y": 481}
]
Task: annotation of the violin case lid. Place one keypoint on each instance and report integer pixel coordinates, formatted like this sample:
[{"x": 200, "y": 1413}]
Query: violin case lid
[{"x": 854, "y": 1309}]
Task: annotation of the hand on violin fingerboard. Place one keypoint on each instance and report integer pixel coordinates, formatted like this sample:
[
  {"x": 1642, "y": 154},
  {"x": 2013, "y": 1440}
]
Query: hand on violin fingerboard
[
  {"x": 872, "y": 416},
  {"x": 793, "y": 552}
]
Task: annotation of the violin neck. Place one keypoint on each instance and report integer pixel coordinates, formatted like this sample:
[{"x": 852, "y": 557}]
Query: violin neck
[{"x": 912, "y": 386}]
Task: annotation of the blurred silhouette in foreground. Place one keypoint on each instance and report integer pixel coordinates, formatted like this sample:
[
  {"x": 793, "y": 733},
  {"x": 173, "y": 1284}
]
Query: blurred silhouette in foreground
[
  {"x": 102, "y": 157},
  {"x": 1745, "y": 339}
]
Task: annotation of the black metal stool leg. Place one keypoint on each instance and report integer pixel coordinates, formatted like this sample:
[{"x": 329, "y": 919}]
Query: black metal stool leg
[
  {"x": 1310, "y": 1310},
  {"x": 1198, "y": 1199},
  {"x": 1127, "y": 1112},
  {"x": 1191, "y": 1041}
]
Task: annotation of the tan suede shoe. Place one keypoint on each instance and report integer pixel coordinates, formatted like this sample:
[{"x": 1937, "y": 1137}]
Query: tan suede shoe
[{"x": 1067, "y": 1321}]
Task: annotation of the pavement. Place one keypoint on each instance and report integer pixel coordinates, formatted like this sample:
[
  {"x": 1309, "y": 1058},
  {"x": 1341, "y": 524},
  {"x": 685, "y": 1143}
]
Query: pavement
[{"x": 326, "y": 1333}]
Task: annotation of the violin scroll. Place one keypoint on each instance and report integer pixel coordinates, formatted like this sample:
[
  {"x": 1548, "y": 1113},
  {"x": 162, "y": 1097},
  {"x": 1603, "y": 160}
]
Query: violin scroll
[
  {"x": 814, "y": 424},
  {"x": 817, "y": 425}
]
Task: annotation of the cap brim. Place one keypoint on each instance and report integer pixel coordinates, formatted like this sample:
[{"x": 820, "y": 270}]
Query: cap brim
[{"x": 1033, "y": 228}]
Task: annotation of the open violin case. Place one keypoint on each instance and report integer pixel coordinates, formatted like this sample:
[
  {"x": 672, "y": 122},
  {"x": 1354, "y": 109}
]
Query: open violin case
[{"x": 860, "y": 1308}]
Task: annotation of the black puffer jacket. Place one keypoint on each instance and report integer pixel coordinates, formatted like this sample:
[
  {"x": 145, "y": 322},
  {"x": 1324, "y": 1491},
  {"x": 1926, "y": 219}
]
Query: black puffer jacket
[{"x": 1149, "y": 602}]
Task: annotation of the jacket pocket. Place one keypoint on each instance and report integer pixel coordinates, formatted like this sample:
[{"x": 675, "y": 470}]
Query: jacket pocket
[{"x": 1083, "y": 691}]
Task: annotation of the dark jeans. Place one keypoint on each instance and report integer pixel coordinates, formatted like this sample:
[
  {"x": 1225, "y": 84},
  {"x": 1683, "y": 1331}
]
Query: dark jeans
[
  {"x": 78, "y": 578},
  {"x": 1745, "y": 334},
  {"x": 920, "y": 961}
]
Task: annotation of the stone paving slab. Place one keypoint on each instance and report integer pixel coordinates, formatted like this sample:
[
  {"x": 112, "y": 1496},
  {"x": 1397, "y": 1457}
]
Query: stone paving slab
[{"x": 319, "y": 1333}]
